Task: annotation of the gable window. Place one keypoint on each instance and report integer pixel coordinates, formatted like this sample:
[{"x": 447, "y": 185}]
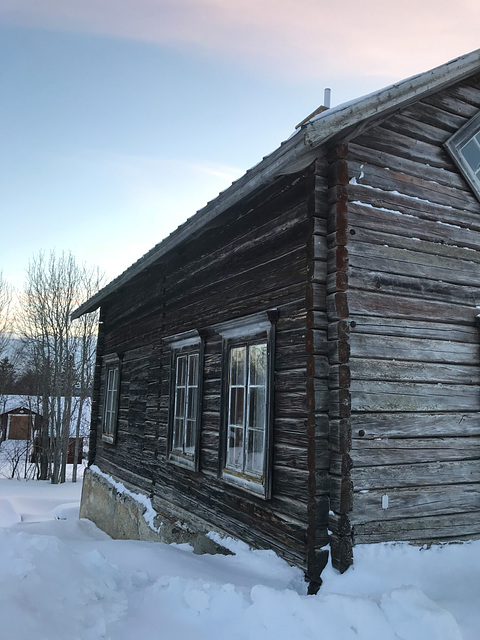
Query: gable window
[
  {"x": 111, "y": 397},
  {"x": 185, "y": 398},
  {"x": 464, "y": 147},
  {"x": 247, "y": 401}
]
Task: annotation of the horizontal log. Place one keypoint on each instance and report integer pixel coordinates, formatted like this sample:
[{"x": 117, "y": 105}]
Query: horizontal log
[
  {"x": 411, "y": 425},
  {"x": 423, "y": 350},
  {"x": 394, "y": 370},
  {"x": 427, "y": 224},
  {"x": 389, "y": 305},
  {"x": 362, "y": 154},
  {"x": 382, "y": 139},
  {"x": 414, "y": 263},
  {"x": 463, "y": 526},
  {"x": 424, "y": 112},
  {"x": 428, "y": 289},
  {"x": 415, "y": 475},
  {"x": 411, "y": 396},
  {"x": 423, "y": 248},
  {"x": 366, "y": 452},
  {"x": 415, "y": 502}
]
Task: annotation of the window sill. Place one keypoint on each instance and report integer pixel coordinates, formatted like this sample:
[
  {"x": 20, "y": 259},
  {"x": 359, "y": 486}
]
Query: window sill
[
  {"x": 108, "y": 438},
  {"x": 255, "y": 487},
  {"x": 181, "y": 461}
]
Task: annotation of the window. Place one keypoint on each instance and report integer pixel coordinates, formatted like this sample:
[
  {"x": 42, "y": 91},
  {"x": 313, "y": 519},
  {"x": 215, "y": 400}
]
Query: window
[
  {"x": 464, "y": 147},
  {"x": 247, "y": 401},
  {"x": 111, "y": 397},
  {"x": 186, "y": 402},
  {"x": 247, "y": 411},
  {"x": 185, "y": 398}
]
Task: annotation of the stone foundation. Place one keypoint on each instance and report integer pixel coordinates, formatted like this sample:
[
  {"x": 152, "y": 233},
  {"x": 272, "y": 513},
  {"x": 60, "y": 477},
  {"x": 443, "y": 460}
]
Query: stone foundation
[{"x": 122, "y": 517}]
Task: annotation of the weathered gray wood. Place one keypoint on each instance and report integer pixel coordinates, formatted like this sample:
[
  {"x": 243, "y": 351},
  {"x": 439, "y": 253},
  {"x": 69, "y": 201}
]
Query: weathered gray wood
[
  {"x": 415, "y": 475},
  {"x": 458, "y": 526},
  {"x": 414, "y": 263},
  {"x": 408, "y": 503},
  {"x": 384, "y": 304},
  {"x": 394, "y": 370},
  {"x": 415, "y": 186},
  {"x": 412, "y": 396},
  {"x": 395, "y": 347},
  {"x": 367, "y": 452},
  {"x": 412, "y": 425},
  {"x": 422, "y": 247}
]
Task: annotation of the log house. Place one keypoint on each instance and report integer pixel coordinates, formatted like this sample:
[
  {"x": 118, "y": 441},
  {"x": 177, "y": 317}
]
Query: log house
[{"x": 298, "y": 364}]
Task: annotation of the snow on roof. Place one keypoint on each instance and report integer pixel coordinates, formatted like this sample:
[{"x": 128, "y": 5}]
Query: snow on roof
[{"x": 295, "y": 153}]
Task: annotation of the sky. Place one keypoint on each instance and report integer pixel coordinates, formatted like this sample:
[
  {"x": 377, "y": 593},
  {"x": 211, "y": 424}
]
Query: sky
[{"x": 119, "y": 119}]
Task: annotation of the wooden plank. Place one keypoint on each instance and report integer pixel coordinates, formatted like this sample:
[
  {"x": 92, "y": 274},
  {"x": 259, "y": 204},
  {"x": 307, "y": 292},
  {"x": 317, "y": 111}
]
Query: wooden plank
[
  {"x": 415, "y": 186},
  {"x": 394, "y": 370},
  {"x": 408, "y": 328},
  {"x": 411, "y": 425},
  {"x": 394, "y": 347},
  {"x": 458, "y": 526},
  {"x": 382, "y": 451},
  {"x": 411, "y": 396},
  {"x": 388, "y": 259},
  {"x": 399, "y": 204},
  {"x": 381, "y": 139},
  {"x": 416, "y": 502},
  {"x": 416, "y": 129},
  {"x": 417, "y": 287},
  {"x": 426, "y": 474},
  {"x": 433, "y": 115},
  {"x": 383, "y": 304},
  {"x": 424, "y": 247},
  {"x": 362, "y": 154}
]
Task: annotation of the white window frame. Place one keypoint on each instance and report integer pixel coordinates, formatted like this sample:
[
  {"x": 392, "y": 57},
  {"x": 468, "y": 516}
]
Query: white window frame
[
  {"x": 246, "y": 332},
  {"x": 185, "y": 347},
  {"x": 111, "y": 398},
  {"x": 246, "y": 386},
  {"x": 469, "y": 133}
]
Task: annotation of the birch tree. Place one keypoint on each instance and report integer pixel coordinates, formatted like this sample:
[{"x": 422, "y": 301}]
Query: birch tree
[
  {"x": 61, "y": 351},
  {"x": 5, "y": 313}
]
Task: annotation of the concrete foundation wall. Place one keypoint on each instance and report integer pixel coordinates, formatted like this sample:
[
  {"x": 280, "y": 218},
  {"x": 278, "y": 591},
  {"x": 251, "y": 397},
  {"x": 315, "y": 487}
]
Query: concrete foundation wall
[{"x": 121, "y": 516}]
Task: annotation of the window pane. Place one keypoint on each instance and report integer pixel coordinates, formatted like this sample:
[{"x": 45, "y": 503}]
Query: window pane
[
  {"x": 190, "y": 437},
  {"x": 471, "y": 153},
  {"x": 178, "y": 434},
  {"x": 256, "y": 409},
  {"x": 237, "y": 365},
  {"x": 192, "y": 403},
  {"x": 193, "y": 370},
  {"x": 237, "y": 399},
  {"x": 258, "y": 364},
  {"x": 111, "y": 395},
  {"x": 254, "y": 462},
  {"x": 186, "y": 403},
  {"x": 180, "y": 403},
  {"x": 235, "y": 448},
  {"x": 181, "y": 370}
]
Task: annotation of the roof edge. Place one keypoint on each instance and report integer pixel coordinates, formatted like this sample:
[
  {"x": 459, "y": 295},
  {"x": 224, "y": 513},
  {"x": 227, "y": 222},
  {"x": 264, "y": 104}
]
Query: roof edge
[{"x": 312, "y": 134}]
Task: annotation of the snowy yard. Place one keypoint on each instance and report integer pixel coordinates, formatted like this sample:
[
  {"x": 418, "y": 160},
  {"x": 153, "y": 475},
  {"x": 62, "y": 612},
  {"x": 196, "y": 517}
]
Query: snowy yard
[{"x": 62, "y": 578}]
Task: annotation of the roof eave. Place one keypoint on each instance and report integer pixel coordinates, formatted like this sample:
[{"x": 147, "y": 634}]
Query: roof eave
[{"x": 313, "y": 134}]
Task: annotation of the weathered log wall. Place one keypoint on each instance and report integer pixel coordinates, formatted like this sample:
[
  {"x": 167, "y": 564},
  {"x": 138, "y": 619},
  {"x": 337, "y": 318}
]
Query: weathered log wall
[
  {"x": 408, "y": 344},
  {"x": 260, "y": 256}
]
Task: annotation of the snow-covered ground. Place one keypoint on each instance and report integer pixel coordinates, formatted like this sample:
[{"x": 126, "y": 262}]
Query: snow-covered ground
[{"x": 63, "y": 579}]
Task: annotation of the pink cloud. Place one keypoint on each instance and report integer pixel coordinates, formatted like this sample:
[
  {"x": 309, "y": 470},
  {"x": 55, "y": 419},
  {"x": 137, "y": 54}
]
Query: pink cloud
[{"x": 287, "y": 37}]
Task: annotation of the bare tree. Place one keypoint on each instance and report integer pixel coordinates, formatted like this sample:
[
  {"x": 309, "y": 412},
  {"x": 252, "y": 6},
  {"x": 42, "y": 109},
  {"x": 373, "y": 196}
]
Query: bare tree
[
  {"x": 61, "y": 351},
  {"x": 5, "y": 313}
]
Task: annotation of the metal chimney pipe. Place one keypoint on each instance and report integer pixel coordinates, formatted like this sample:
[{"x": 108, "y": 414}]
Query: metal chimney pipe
[{"x": 326, "y": 98}]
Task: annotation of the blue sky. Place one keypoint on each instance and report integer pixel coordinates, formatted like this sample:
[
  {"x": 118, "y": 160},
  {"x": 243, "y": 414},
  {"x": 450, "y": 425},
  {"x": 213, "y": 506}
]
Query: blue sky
[{"x": 118, "y": 120}]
